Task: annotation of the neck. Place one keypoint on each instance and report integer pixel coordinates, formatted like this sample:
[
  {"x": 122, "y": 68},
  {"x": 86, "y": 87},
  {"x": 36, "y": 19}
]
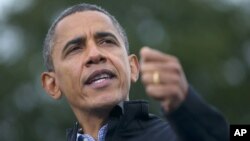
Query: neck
[{"x": 92, "y": 120}]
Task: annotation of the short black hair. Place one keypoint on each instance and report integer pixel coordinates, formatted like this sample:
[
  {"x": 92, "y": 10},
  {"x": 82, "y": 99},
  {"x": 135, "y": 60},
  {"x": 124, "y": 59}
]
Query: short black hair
[{"x": 49, "y": 39}]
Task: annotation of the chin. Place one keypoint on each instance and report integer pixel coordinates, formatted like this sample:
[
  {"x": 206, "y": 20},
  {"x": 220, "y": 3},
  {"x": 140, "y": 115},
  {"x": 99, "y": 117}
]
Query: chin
[{"x": 107, "y": 102}]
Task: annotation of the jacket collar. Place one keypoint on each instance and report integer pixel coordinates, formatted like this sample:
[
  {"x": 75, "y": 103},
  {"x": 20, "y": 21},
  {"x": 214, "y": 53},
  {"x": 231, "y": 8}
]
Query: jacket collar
[{"x": 125, "y": 111}]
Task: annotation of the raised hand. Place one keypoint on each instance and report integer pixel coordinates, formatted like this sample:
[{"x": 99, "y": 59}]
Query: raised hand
[{"x": 163, "y": 78}]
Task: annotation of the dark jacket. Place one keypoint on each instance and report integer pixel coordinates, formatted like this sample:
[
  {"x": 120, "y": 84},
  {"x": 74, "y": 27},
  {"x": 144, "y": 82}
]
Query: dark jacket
[{"x": 194, "y": 120}]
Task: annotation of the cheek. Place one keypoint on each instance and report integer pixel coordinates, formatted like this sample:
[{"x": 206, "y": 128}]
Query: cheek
[
  {"x": 69, "y": 85},
  {"x": 122, "y": 65},
  {"x": 68, "y": 80}
]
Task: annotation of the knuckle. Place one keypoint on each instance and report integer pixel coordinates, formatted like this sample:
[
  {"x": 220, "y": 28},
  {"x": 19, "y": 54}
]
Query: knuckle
[
  {"x": 173, "y": 89},
  {"x": 142, "y": 67},
  {"x": 149, "y": 90},
  {"x": 174, "y": 58},
  {"x": 143, "y": 77},
  {"x": 177, "y": 68},
  {"x": 176, "y": 79}
]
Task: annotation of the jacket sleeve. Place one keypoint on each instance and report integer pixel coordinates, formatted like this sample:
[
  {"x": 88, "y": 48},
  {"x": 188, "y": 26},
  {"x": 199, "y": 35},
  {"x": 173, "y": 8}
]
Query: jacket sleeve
[{"x": 195, "y": 120}]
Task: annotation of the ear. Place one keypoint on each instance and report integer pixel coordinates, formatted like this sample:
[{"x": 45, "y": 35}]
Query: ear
[
  {"x": 50, "y": 85},
  {"x": 134, "y": 67}
]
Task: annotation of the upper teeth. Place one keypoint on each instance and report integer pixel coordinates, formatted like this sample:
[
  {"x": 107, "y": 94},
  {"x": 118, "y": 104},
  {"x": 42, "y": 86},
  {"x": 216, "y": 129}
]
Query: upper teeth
[{"x": 101, "y": 76}]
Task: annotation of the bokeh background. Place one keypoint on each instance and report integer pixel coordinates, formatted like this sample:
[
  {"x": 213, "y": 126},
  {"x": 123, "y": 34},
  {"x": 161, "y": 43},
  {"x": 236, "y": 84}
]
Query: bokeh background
[{"x": 210, "y": 37}]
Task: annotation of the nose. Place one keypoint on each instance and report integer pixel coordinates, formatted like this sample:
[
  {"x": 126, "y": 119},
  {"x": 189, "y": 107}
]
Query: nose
[{"x": 95, "y": 56}]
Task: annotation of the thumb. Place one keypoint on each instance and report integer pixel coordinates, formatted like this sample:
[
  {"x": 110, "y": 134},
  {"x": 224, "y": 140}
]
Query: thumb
[
  {"x": 144, "y": 52},
  {"x": 148, "y": 54}
]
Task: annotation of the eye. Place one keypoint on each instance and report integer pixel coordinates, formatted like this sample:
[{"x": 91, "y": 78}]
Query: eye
[
  {"x": 107, "y": 42},
  {"x": 74, "y": 49}
]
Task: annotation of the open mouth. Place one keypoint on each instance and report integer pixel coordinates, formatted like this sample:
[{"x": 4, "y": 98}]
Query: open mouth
[{"x": 99, "y": 76}]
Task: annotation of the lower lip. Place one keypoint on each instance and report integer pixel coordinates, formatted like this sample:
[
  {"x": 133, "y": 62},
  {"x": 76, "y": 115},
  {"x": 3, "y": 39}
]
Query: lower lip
[{"x": 102, "y": 83}]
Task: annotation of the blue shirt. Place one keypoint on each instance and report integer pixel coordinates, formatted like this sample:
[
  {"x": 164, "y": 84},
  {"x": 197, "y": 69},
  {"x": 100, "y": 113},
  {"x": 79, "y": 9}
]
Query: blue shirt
[{"x": 101, "y": 135}]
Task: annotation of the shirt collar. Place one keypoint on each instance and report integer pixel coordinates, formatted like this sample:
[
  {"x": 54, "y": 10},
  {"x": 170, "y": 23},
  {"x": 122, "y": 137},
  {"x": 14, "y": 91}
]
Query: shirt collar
[{"x": 101, "y": 135}]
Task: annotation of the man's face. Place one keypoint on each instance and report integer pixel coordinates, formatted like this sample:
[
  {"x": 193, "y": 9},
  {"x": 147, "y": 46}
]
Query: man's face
[{"x": 92, "y": 68}]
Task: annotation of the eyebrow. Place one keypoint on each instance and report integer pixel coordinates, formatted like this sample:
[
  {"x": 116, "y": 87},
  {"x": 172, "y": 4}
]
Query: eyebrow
[{"x": 77, "y": 40}]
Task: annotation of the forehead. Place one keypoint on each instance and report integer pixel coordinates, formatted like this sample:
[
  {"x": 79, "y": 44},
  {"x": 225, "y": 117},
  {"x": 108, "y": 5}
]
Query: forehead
[{"x": 85, "y": 22}]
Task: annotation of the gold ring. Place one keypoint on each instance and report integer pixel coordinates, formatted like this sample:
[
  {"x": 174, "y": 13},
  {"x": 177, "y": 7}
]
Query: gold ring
[{"x": 156, "y": 77}]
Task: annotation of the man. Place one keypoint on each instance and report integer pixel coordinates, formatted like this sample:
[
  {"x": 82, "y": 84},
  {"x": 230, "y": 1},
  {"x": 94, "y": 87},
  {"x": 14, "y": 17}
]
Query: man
[{"x": 86, "y": 53}]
